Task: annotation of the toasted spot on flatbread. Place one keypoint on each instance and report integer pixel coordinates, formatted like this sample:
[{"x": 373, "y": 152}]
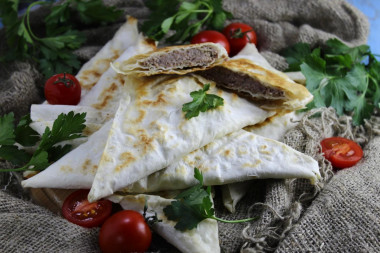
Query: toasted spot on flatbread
[
  {"x": 116, "y": 54},
  {"x": 107, "y": 95},
  {"x": 227, "y": 153},
  {"x": 120, "y": 79},
  {"x": 252, "y": 165},
  {"x": 150, "y": 42},
  {"x": 202, "y": 168},
  {"x": 263, "y": 150},
  {"x": 126, "y": 158},
  {"x": 181, "y": 170},
  {"x": 159, "y": 101},
  {"x": 85, "y": 75},
  {"x": 234, "y": 96},
  {"x": 141, "y": 91},
  {"x": 87, "y": 131},
  {"x": 143, "y": 141},
  {"x": 141, "y": 116},
  {"x": 189, "y": 161},
  {"x": 88, "y": 167},
  {"x": 67, "y": 169}
]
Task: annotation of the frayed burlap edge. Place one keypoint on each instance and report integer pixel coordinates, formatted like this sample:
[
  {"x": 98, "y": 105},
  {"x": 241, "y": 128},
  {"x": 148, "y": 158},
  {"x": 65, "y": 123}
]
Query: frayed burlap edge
[{"x": 278, "y": 218}]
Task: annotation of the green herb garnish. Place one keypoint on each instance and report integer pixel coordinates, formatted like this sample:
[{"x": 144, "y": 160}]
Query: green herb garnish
[
  {"x": 183, "y": 18},
  {"x": 66, "y": 127},
  {"x": 201, "y": 102},
  {"x": 193, "y": 206},
  {"x": 339, "y": 76},
  {"x": 53, "y": 50}
]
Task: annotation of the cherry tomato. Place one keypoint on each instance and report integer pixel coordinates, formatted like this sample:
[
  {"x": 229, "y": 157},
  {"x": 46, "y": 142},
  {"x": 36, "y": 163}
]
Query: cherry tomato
[
  {"x": 341, "y": 152},
  {"x": 211, "y": 36},
  {"x": 125, "y": 231},
  {"x": 62, "y": 89},
  {"x": 78, "y": 210},
  {"x": 238, "y": 35}
]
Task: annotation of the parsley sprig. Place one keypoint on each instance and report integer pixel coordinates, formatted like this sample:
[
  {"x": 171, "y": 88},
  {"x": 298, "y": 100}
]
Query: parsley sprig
[
  {"x": 183, "y": 18},
  {"x": 201, "y": 102},
  {"x": 346, "y": 78},
  {"x": 53, "y": 51},
  {"x": 193, "y": 206},
  {"x": 65, "y": 127}
]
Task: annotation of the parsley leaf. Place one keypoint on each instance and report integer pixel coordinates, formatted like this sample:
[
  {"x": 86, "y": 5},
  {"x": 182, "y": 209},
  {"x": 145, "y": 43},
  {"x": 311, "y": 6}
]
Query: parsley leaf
[
  {"x": 13, "y": 154},
  {"x": 7, "y": 136},
  {"x": 65, "y": 127},
  {"x": 183, "y": 18},
  {"x": 296, "y": 55},
  {"x": 193, "y": 206},
  {"x": 54, "y": 50},
  {"x": 25, "y": 135},
  {"x": 201, "y": 102},
  {"x": 345, "y": 78}
]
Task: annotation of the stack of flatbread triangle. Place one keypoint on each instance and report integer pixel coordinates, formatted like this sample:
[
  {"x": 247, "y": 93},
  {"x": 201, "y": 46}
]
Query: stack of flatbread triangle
[{"x": 139, "y": 142}]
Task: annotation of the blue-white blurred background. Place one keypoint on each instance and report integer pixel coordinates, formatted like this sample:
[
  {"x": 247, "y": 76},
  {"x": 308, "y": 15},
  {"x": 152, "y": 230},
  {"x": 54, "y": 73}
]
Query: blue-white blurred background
[{"x": 371, "y": 8}]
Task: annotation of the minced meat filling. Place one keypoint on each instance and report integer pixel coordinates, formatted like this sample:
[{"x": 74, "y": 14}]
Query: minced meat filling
[
  {"x": 179, "y": 59},
  {"x": 240, "y": 83}
]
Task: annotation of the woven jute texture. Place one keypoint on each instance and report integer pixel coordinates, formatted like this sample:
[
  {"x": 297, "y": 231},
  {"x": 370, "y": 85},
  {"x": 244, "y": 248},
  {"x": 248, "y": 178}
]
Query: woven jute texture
[{"x": 339, "y": 214}]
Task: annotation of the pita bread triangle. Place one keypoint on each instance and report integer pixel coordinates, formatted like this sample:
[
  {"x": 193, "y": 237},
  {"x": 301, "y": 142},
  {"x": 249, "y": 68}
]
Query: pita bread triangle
[
  {"x": 76, "y": 169},
  {"x": 150, "y": 131},
  {"x": 203, "y": 238},
  {"x": 236, "y": 157},
  {"x": 91, "y": 71},
  {"x": 106, "y": 94}
]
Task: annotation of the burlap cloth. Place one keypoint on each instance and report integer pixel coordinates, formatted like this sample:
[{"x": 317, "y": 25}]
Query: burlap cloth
[{"x": 340, "y": 214}]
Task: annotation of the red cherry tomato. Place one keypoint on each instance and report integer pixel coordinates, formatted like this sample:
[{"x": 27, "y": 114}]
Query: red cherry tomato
[
  {"x": 62, "y": 89},
  {"x": 211, "y": 36},
  {"x": 125, "y": 231},
  {"x": 238, "y": 35},
  {"x": 78, "y": 210},
  {"x": 341, "y": 152}
]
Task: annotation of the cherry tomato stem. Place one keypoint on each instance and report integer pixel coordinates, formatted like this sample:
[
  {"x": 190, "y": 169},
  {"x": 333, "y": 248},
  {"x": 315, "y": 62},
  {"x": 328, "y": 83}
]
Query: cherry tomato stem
[
  {"x": 238, "y": 35},
  {"x": 63, "y": 89}
]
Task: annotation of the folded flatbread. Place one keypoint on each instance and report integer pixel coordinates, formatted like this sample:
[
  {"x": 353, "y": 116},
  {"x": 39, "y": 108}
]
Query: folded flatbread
[
  {"x": 174, "y": 60},
  {"x": 76, "y": 169},
  {"x": 150, "y": 131},
  {"x": 249, "y": 77},
  {"x": 106, "y": 94},
  {"x": 274, "y": 128},
  {"x": 236, "y": 157},
  {"x": 203, "y": 238},
  {"x": 91, "y": 71}
]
